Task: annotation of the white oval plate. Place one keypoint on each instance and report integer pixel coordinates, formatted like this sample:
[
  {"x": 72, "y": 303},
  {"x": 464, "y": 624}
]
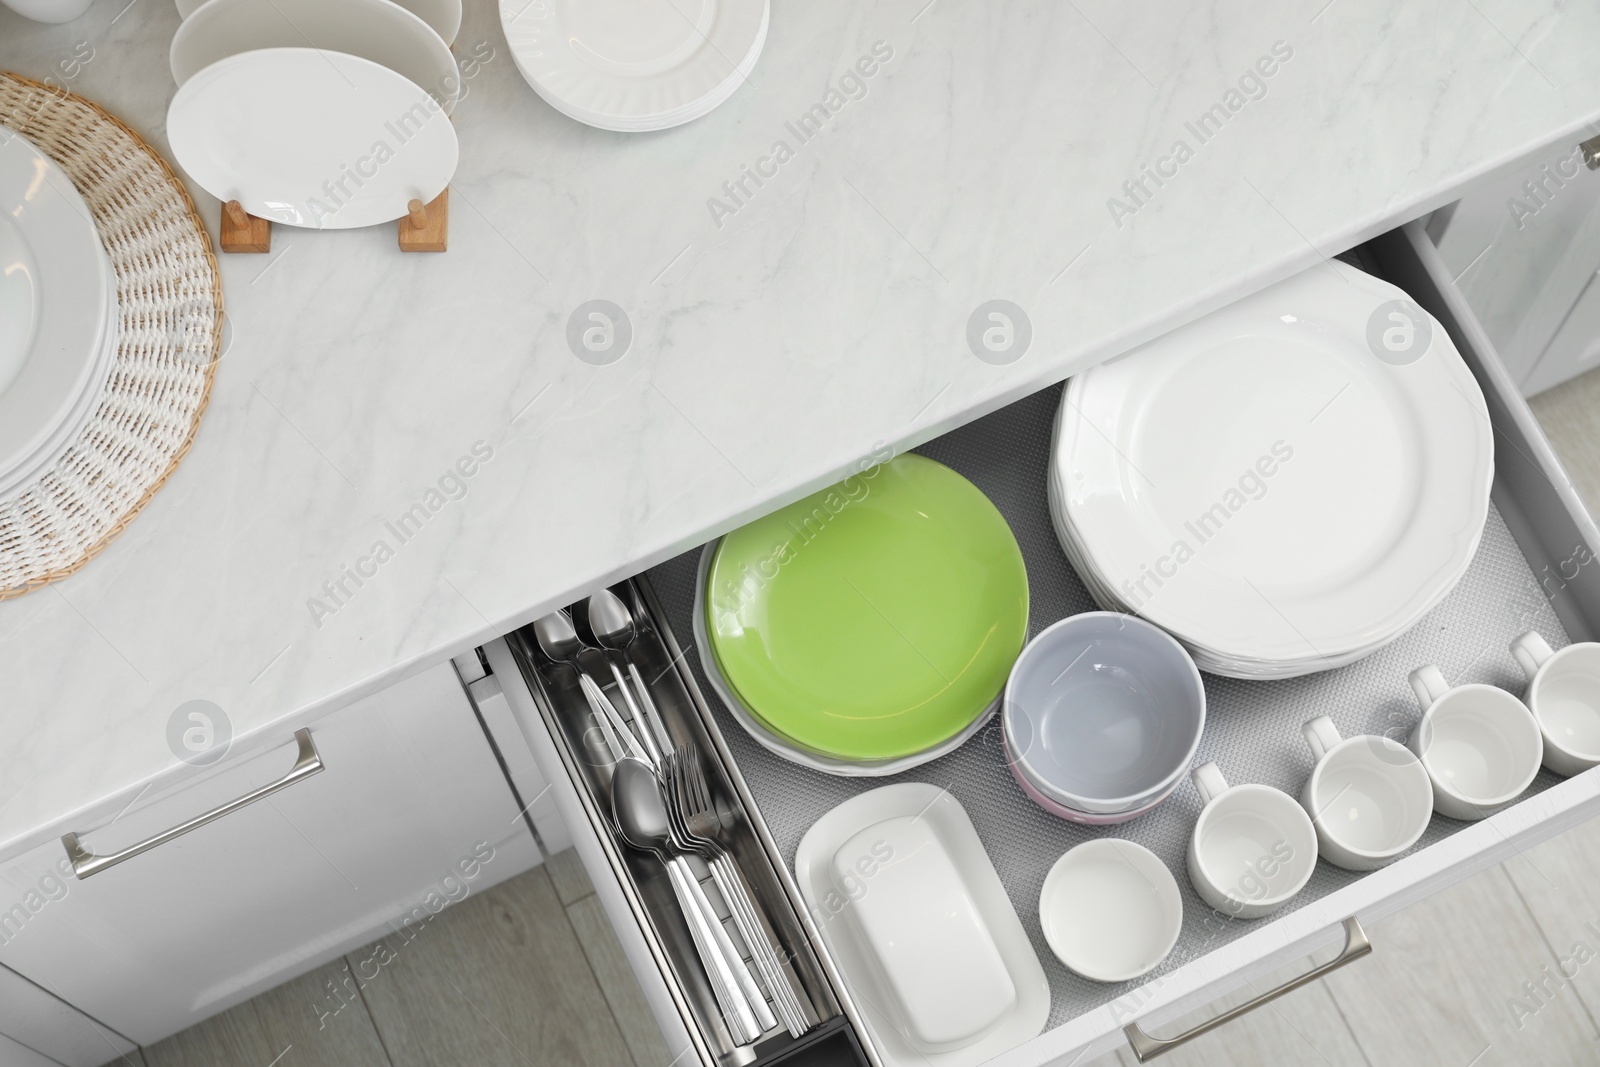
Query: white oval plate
[
  {"x": 377, "y": 30},
  {"x": 832, "y": 910},
  {"x": 74, "y": 294},
  {"x": 1378, "y": 486},
  {"x": 623, "y": 65},
  {"x": 442, "y": 16},
  {"x": 309, "y": 138}
]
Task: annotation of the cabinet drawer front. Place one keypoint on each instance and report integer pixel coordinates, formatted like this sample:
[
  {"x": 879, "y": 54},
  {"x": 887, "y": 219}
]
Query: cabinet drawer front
[{"x": 410, "y": 792}]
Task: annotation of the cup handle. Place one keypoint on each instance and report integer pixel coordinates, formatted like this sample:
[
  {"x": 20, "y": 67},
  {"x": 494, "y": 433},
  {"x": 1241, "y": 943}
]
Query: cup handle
[
  {"x": 1530, "y": 651},
  {"x": 1209, "y": 783},
  {"x": 1321, "y": 735},
  {"x": 1429, "y": 685}
]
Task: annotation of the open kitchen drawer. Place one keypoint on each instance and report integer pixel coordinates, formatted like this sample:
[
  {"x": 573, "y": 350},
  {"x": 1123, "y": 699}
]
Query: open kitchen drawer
[{"x": 1534, "y": 570}]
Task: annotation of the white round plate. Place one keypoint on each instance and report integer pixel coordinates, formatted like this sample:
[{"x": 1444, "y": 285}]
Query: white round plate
[
  {"x": 1296, "y": 498},
  {"x": 442, "y": 16},
  {"x": 19, "y": 300},
  {"x": 23, "y": 474},
  {"x": 310, "y": 138},
  {"x": 624, "y": 65},
  {"x": 378, "y": 30},
  {"x": 74, "y": 293}
]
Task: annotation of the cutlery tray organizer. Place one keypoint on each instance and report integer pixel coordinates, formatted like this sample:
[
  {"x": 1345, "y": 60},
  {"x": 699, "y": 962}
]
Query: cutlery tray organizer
[
  {"x": 581, "y": 745},
  {"x": 1521, "y": 578}
]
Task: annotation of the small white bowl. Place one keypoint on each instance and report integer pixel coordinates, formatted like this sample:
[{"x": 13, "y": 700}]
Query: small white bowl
[{"x": 1110, "y": 910}]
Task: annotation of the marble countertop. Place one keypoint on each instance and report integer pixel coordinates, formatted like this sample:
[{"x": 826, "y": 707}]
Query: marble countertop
[{"x": 1113, "y": 170}]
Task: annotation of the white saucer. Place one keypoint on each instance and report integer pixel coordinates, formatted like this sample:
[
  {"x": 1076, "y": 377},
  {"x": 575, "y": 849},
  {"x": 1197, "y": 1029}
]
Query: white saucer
[{"x": 628, "y": 67}]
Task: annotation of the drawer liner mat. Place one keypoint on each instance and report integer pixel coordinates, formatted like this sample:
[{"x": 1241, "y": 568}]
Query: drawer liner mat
[{"x": 1252, "y": 727}]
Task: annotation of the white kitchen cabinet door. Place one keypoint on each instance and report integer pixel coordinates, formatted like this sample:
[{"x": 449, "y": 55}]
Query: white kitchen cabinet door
[
  {"x": 1574, "y": 349},
  {"x": 34, "y": 1022},
  {"x": 410, "y": 813},
  {"x": 1521, "y": 248}
]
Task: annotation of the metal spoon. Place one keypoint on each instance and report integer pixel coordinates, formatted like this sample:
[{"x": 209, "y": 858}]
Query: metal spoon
[
  {"x": 641, "y": 817},
  {"x": 560, "y": 641},
  {"x": 613, "y": 626}
]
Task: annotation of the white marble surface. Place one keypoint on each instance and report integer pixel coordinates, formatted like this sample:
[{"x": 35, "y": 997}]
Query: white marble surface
[{"x": 826, "y": 314}]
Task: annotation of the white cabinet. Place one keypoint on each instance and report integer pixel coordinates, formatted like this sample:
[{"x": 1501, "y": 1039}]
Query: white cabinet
[
  {"x": 410, "y": 813},
  {"x": 32, "y": 1019},
  {"x": 1523, "y": 249}
]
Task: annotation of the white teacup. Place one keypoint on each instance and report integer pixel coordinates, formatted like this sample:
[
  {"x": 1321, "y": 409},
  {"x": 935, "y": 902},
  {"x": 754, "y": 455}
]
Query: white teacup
[
  {"x": 1368, "y": 797},
  {"x": 1252, "y": 849},
  {"x": 1480, "y": 744},
  {"x": 1564, "y": 696}
]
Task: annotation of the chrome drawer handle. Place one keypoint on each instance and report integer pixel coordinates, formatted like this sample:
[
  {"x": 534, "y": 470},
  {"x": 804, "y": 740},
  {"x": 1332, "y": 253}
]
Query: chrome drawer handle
[
  {"x": 1146, "y": 1047},
  {"x": 85, "y": 863}
]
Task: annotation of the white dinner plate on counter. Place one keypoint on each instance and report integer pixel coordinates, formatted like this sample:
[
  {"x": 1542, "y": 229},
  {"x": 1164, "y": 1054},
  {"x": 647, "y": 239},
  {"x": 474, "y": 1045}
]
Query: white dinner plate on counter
[
  {"x": 19, "y": 300},
  {"x": 55, "y": 238},
  {"x": 921, "y": 929},
  {"x": 621, "y": 65},
  {"x": 442, "y": 16},
  {"x": 1338, "y": 498},
  {"x": 379, "y": 30},
  {"x": 21, "y": 475},
  {"x": 312, "y": 138}
]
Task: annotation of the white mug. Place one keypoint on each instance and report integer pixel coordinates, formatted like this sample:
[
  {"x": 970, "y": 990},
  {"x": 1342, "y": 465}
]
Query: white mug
[
  {"x": 1368, "y": 797},
  {"x": 1480, "y": 744},
  {"x": 1252, "y": 849},
  {"x": 1564, "y": 696}
]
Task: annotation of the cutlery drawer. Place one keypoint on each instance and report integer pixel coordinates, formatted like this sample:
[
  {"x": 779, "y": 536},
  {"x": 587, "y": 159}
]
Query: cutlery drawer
[
  {"x": 632, "y": 886},
  {"x": 1532, "y": 571}
]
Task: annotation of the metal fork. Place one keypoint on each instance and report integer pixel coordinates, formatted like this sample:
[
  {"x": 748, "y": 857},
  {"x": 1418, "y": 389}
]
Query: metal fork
[{"x": 697, "y": 826}]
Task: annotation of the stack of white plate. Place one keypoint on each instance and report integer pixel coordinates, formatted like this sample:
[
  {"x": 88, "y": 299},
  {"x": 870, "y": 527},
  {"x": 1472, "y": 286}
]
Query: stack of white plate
[
  {"x": 300, "y": 109},
  {"x": 632, "y": 67},
  {"x": 1266, "y": 488},
  {"x": 58, "y": 314}
]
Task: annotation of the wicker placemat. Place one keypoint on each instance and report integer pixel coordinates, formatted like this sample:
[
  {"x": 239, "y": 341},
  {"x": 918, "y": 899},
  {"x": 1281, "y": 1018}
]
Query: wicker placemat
[{"x": 170, "y": 296}]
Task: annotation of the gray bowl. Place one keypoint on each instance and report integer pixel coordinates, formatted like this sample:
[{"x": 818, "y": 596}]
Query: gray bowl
[{"x": 1104, "y": 711}]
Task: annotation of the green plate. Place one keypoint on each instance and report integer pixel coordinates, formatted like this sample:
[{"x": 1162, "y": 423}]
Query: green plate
[{"x": 875, "y": 619}]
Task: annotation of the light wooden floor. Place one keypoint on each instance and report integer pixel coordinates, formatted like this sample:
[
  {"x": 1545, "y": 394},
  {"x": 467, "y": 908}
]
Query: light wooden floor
[{"x": 530, "y": 973}]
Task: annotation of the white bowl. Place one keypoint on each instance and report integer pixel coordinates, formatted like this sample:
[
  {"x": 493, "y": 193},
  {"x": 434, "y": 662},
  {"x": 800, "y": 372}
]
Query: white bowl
[
  {"x": 49, "y": 10},
  {"x": 1104, "y": 712},
  {"x": 1111, "y": 911}
]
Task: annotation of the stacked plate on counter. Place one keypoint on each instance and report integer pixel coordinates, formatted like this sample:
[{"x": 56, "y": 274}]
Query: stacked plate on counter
[
  {"x": 325, "y": 114},
  {"x": 1270, "y": 484},
  {"x": 870, "y": 627},
  {"x": 58, "y": 314},
  {"x": 635, "y": 67}
]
